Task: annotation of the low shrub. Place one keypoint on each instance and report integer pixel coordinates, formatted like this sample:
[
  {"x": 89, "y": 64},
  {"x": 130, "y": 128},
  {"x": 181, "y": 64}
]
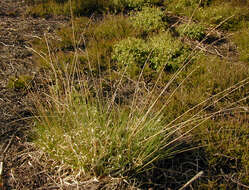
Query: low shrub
[
  {"x": 185, "y": 7},
  {"x": 112, "y": 27},
  {"x": 161, "y": 51},
  {"x": 103, "y": 35},
  {"x": 149, "y": 19},
  {"x": 226, "y": 150},
  {"x": 131, "y": 53},
  {"x": 168, "y": 52},
  {"x": 63, "y": 7},
  {"x": 193, "y": 31}
]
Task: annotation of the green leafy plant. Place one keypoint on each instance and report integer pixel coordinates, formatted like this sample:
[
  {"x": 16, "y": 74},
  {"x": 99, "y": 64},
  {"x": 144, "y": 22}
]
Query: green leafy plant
[
  {"x": 167, "y": 52},
  {"x": 159, "y": 51},
  {"x": 131, "y": 51},
  {"x": 149, "y": 19},
  {"x": 193, "y": 31}
]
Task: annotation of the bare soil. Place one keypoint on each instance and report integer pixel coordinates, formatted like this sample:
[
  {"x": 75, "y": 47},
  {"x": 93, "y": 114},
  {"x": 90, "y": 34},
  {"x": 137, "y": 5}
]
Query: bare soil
[{"x": 17, "y": 30}]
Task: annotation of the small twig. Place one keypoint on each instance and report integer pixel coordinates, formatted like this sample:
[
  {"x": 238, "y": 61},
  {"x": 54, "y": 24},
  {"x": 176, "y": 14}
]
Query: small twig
[
  {"x": 7, "y": 45},
  {"x": 1, "y": 169},
  {"x": 191, "y": 180},
  {"x": 237, "y": 182},
  {"x": 8, "y": 145},
  {"x": 2, "y": 160}
]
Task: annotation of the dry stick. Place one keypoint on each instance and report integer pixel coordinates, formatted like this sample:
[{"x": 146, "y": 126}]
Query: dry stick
[
  {"x": 192, "y": 180},
  {"x": 2, "y": 159},
  {"x": 239, "y": 183},
  {"x": 72, "y": 72}
]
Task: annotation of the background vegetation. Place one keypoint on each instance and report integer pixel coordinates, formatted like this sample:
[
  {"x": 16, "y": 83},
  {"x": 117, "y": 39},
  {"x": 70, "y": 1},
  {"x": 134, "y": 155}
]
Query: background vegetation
[{"x": 133, "y": 85}]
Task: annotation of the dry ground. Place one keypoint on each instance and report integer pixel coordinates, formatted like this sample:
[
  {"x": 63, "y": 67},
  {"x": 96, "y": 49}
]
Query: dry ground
[{"x": 20, "y": 171}]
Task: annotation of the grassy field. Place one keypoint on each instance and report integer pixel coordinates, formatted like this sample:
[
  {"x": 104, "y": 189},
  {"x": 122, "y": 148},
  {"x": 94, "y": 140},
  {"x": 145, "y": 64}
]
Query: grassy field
[{"x": 145, "y": 93}]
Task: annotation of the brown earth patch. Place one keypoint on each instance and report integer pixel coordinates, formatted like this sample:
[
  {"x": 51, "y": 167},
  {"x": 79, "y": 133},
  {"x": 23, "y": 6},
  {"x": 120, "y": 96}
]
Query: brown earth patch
[{"x": 21, "y": 169}]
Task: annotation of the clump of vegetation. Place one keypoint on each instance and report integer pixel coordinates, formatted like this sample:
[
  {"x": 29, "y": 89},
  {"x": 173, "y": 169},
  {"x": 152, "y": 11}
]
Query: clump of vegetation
[
  {"x": 64, "y": 7},
  {"x": 84, "y": 7},
  {"x": 241, "y": 39},
  {"x": 102, "y": 36},
  {"x": 131, "y": 52},
  {"x": 193, "y": 31},
  {"x": 135, "y": 3},
  {"x": 99, "y": 141},
  {"x": 227, "y": 149},
  {"x": 149, "y": 19},
  {"x": 168, "y": 52},
  {"x": 227, "y": 17},
  {"x": 185, "y": 7},
  {"x": 161, "y": 51},
  {"x": 20, "y": 82}
]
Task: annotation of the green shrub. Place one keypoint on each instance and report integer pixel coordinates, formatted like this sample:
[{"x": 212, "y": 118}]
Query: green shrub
[
  {"x": 193, "y": 31},
  {"x": 149, "y": 19},
  {"x": 102, "y": 36},
  {"x": 65, "y": 38},
  {"x": 168, "y": 52},
  {"x": 131, "y": 4},
  {"x": 131, "y": 52},
  {"x": 159, "y": 51},
  {"x": 112, "y": 27},
  {"x": 63, "y": 7},
  {"x": 227, "y": 14}
]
